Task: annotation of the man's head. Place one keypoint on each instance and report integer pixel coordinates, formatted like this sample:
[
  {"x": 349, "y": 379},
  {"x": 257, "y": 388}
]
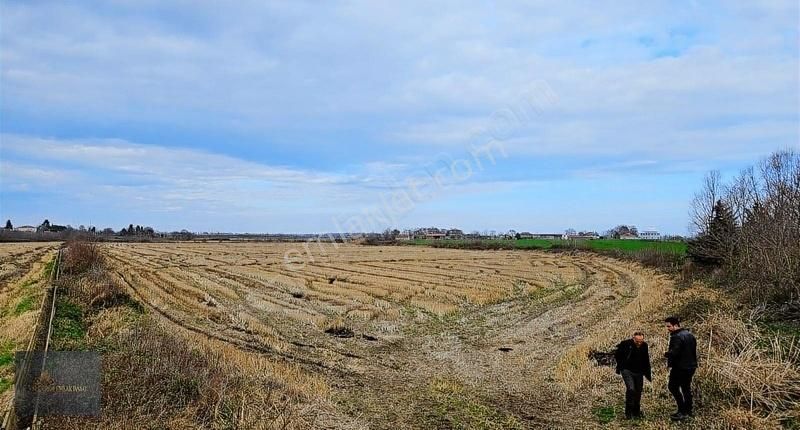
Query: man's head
[
  {"x": 638, "y": 338},
  {"x": 673, "y": 324}
]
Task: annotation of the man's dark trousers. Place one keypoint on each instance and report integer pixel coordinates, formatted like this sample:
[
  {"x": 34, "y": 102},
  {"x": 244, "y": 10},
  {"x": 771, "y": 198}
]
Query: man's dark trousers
[
  {"x": 680, "y": 385},
  {"x": 633, "y": 392}
]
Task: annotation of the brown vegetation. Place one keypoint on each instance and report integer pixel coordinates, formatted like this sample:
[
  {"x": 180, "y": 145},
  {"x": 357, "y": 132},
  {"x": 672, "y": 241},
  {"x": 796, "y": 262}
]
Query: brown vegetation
[
  {"x": 749, "y": 228},
  {"x": 24, "y": 271},
  {"x": 81, "y": 255},
  {"x": 419, "y": 329},
  {"x": 153, "y": 373},
  {"x": 225, "y": 336}
]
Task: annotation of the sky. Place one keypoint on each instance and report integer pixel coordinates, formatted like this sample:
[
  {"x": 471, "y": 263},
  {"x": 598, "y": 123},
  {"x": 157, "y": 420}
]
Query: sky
[{"x": 306, "y": 117}]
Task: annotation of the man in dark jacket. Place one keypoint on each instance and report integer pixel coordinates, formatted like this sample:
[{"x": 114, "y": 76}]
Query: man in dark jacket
[
  {"x": 633, "y": 363},
  {"x": 682, "y": 359}
]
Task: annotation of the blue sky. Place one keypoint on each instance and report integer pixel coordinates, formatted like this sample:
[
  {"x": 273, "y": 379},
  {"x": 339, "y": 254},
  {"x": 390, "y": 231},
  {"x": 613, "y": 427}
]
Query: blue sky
[{"x": 316, "y": 116}]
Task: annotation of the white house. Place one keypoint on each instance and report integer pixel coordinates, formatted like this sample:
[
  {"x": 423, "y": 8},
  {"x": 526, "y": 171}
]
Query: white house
[
  {"x": 548, "y": 236},
  {"x": 26, "y": 229},
  {"x": 650, "y": 235}
]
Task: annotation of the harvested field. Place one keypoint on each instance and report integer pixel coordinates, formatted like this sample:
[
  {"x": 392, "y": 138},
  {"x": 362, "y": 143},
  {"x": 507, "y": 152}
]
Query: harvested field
[
  {"x": 17, "y": 259},
  {"x": 408, "y": 337},
  {"x": 23, "y": 277}
]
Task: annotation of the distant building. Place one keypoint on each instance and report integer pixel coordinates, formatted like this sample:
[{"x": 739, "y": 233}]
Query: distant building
[
  {"x": 582, "y": 235},
  {"x": 548, "y": 236},
  {"x": 650, "y": 235},
  {"x": 454, "y": 233},
  {"x": 525, "y": 235},
  {"x": 405, "y": 235},
  {"x": 429, "y": 233},
  {"x": 26, "y": 229}
]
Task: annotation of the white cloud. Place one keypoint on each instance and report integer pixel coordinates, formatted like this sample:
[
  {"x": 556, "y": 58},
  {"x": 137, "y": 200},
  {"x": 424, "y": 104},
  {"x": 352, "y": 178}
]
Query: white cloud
[
  {"x": 263, "y": 64},
  {"x": 157, "y": 178},
  {"x": 413, "y": 81}
]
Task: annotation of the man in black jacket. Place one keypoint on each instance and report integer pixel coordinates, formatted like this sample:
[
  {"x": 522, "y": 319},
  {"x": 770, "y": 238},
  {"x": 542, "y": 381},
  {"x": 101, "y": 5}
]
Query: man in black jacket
[
  {"x": 633, "y": 363},
  {"x": 682, "y": 359}
]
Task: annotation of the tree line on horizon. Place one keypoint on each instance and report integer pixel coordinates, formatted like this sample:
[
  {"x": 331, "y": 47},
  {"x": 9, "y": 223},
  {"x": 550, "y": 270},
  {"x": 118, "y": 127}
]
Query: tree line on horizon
[{"x": 131, "y": 230}]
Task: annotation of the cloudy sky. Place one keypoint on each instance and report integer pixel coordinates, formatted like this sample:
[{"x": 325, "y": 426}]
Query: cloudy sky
[{"x": 322, "y": 116}]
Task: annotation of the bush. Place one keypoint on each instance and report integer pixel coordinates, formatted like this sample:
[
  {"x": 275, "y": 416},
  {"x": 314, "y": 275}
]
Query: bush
[{"x": 81, "y": 256}]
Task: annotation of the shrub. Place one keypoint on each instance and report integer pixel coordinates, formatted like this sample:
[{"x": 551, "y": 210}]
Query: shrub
[{"x": 80, "y": 256}]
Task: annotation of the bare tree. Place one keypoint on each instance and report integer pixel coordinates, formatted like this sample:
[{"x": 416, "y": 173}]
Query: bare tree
[
  {"x": 702, "y": 209},
  {"x": 752, "y": 228}
]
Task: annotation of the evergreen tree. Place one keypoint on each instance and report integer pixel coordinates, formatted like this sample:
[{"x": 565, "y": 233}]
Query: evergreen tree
[
  {"x": 8, "y": 225},
  {"x": 754, "y": 215},
  {"x": 714, "y": 245}
]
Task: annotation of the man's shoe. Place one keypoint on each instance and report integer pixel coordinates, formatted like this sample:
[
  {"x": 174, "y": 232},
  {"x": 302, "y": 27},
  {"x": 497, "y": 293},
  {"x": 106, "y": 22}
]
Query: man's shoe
[{"x": 677, "y": 416}]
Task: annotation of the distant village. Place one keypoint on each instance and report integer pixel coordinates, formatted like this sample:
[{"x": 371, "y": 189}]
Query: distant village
[
  {"x": 49, "y": 231},
  {"x": 619, "y": 232}
]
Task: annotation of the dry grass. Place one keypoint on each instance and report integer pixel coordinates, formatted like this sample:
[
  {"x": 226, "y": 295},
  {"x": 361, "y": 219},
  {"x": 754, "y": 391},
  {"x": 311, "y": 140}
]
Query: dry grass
[
  {"x": 748, "y": 370},
  {"x": 745, "y": 379},
  {"x": 367, "y": 283},
  {"x": 157, "y": 372},
  {"x": 16, "y": 260},
  {"x": 260, "y": 343},
  {"x": 154, "y": 374},
  {"x": 24, "y": 271},
  {"x": 575, "y": 373}
]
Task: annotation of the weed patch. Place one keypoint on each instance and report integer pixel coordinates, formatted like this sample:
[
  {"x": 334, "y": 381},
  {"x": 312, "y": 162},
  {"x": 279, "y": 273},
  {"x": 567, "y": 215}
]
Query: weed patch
[
  {"x": 24, "y": 305},
  {"x": 5, "y": 384},
  {"x": 48, "y": 268},
  {"x": 6, "y": 354},
  {"x": 605, "y": 414},
  {"x": 68, "y": 324}
]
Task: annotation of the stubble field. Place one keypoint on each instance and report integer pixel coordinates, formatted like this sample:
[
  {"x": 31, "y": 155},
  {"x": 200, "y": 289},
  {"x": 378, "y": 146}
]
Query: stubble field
[
  {"x": 23, "y": 276},
  {"x": 409, "y": 336}
]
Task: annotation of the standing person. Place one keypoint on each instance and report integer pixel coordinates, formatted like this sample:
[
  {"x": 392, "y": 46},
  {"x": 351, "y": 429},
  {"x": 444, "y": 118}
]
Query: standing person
[
  {"x": 633, "y": 364},
  {"x": 682, "y": 359}
]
